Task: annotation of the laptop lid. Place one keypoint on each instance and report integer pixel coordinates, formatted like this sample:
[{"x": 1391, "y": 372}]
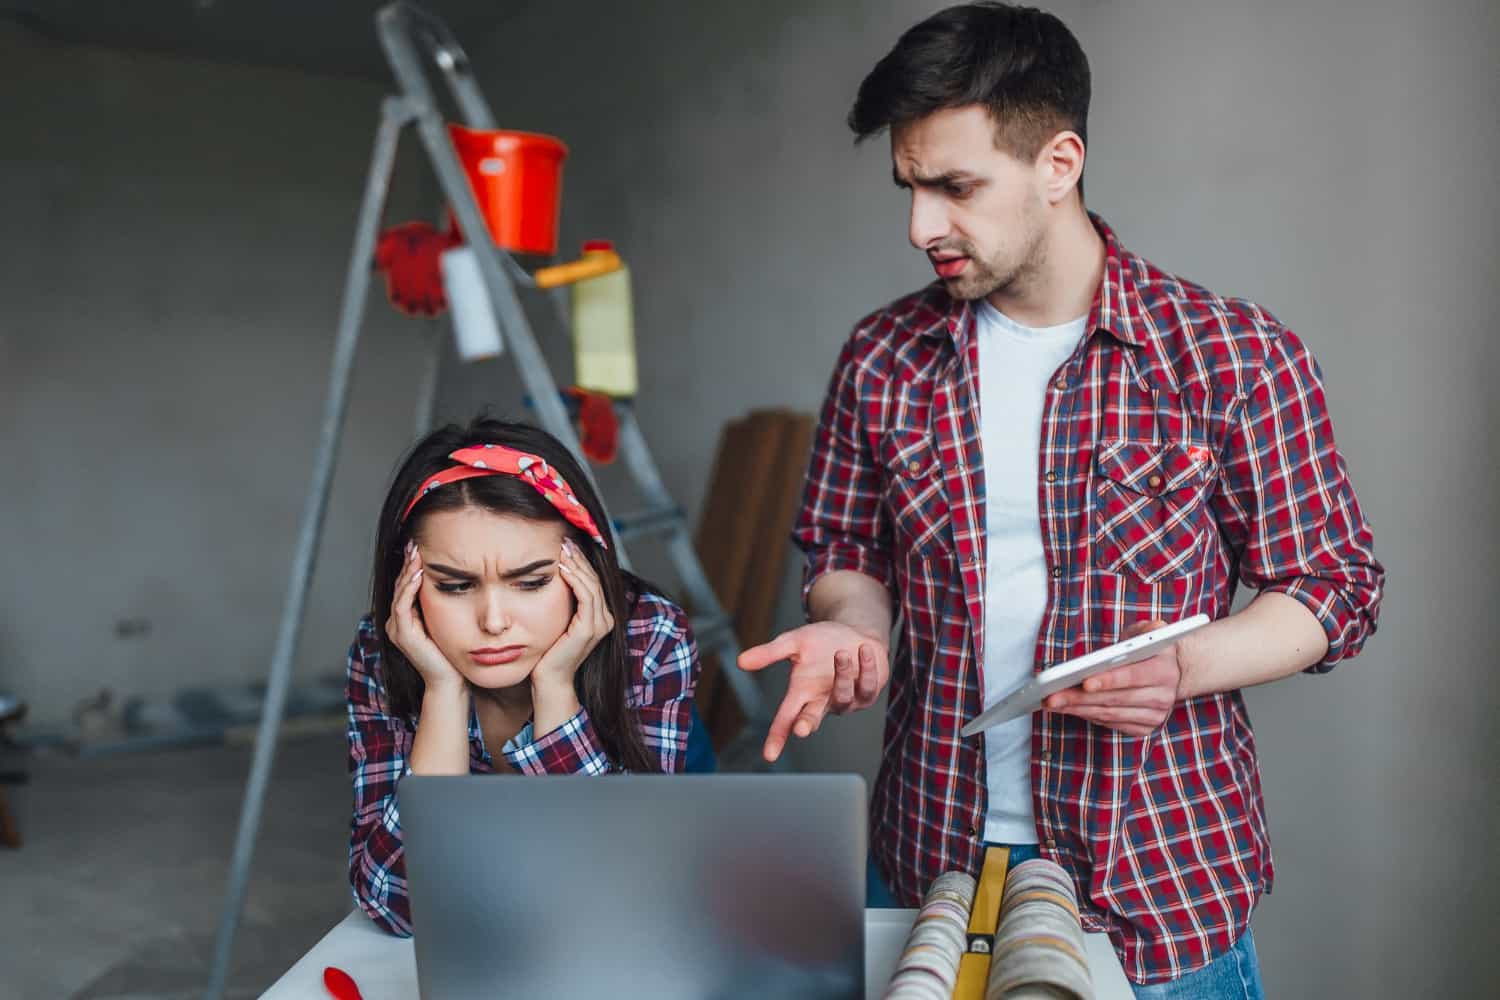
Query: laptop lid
[{"x": 724, "y": 885}]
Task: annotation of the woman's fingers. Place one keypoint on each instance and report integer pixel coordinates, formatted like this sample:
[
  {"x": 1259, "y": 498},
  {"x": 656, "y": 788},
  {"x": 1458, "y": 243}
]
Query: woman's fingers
[
  {"x": 593, "y": 611},
  {"x": 405, "y": 592}
]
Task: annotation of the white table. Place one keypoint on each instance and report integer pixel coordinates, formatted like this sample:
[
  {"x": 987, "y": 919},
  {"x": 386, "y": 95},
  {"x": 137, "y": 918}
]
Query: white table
[{"x": 385, "y": 967}]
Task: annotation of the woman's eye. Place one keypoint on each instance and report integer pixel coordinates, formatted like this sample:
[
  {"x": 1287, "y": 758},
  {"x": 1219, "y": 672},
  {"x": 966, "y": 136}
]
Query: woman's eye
[
  {"x": 453, "y": 588},
  {"x": 535, "y": 582}
]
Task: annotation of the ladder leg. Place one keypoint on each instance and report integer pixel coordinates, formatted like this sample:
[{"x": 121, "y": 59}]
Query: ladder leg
[
  {"x": 427, "y": 388},
  {"x": 356, "y": 287},
  {"x": 685, "y": 559}
]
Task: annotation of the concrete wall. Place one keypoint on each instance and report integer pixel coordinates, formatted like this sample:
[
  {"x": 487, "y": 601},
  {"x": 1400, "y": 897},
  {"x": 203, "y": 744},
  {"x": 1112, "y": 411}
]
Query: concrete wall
[
  {"x": 176, "y": 236},
  {"x": 1333, "y": 166}
]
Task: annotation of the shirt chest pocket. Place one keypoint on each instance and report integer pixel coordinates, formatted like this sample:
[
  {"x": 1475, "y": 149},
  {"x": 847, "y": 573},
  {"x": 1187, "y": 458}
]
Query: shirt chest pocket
[
  {"x": 1150, "y": 517},
  {"x": 915, "y": 498}
]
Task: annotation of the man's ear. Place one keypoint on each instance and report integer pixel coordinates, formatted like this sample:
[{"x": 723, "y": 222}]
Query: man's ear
[{"x": 1060, "y": 165}]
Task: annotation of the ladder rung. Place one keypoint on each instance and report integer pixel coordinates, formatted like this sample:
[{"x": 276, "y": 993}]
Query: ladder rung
[{"x": 654, "y": 521}]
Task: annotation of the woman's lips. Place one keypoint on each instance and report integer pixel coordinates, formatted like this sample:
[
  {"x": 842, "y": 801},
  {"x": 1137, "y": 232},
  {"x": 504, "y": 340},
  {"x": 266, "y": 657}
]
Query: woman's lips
[
  {"x": 496, "y": 657},
  {"x": 949, "y": 268}
]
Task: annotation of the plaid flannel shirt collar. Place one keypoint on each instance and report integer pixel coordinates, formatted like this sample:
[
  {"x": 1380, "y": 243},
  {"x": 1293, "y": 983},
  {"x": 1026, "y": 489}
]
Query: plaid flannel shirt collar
[{"x": 1117, "y": 306}]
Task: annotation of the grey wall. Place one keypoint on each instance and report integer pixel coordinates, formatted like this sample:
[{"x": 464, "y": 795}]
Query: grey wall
[
  {"x": 1331, "y": 163},
  {"x": 176, "y": 235}
]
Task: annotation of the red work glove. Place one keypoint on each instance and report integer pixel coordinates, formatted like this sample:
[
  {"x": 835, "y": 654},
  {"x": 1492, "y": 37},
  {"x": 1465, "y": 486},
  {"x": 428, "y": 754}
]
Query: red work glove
[{"x": 408, "y": 257}]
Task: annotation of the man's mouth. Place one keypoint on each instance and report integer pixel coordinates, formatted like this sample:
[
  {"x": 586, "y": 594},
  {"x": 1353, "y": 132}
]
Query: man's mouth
[{"x": 948, "y": 267}]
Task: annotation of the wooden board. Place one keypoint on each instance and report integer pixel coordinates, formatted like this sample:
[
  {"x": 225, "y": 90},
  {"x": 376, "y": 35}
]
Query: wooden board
[
  {"x": 778, "y": 512},
  {"x": 743, "y": 540}
]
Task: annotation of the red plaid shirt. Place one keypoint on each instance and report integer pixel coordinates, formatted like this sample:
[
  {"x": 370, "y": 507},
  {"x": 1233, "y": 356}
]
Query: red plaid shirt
[
  {"x": 1185, "y": 446},
  {"x": 664, "y": 662}
]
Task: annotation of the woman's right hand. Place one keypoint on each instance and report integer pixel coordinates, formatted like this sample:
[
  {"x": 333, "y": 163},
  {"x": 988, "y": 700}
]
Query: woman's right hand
[{"x": 407, "y": 631}]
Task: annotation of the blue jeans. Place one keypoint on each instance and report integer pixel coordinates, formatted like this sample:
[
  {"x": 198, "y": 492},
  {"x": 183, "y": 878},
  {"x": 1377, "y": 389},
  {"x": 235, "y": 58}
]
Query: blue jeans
[
  {"x": 1234, "y": 975},
  {"x": 700, "y": 757}
]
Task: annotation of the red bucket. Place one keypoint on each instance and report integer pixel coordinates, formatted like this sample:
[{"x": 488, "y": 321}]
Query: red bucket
[{"x": 517, "y": 179}]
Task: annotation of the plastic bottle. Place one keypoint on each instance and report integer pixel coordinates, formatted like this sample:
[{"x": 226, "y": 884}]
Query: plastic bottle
[{"x": 604, "y": 329}]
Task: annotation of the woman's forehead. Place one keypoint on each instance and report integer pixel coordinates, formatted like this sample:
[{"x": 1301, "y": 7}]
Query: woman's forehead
[{"x": 472, "y": 537}]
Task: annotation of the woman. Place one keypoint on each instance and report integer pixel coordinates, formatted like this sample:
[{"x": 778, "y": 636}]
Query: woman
[{"x": 505, "y": 638}]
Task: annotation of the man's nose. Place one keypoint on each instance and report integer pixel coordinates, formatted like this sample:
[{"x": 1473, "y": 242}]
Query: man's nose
[{"x": 929, "y": 220}]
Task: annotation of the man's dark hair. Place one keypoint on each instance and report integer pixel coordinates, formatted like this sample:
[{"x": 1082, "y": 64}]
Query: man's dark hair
[{"x": 1020, "y": 62}]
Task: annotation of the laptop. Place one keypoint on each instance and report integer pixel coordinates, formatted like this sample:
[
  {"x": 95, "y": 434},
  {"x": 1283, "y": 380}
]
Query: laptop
[{"x": 661, "y": 886}]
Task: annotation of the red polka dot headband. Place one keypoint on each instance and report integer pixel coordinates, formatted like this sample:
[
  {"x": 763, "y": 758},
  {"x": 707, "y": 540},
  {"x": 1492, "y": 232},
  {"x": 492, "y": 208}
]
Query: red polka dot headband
[{"x": 498, "y": 460}]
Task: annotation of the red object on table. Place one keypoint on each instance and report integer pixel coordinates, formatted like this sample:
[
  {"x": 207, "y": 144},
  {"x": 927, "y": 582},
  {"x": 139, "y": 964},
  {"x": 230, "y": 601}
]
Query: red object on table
[
  {"x": 340, "y": 984},
  {"x": 408, "y": 256}
]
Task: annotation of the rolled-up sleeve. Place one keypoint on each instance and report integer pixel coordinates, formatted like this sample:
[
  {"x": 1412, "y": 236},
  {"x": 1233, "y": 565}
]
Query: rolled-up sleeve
[
  {"x": 842, "y": 523},
  {"x": 571, "y": 748},
  {"x": 1287, "y": 508}
]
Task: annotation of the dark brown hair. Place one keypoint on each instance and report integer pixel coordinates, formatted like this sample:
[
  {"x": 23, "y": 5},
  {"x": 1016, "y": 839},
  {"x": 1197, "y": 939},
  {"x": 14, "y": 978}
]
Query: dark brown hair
[{"x": 1021, "y": 63}]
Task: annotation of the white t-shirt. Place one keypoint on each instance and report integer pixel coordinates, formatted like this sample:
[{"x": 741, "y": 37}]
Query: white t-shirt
[{"x": 1016, "y": 364}]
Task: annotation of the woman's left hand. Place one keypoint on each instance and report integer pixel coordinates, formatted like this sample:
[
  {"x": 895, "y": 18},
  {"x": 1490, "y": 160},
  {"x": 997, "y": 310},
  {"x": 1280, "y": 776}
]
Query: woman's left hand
[{"x": 591, "y": 623}]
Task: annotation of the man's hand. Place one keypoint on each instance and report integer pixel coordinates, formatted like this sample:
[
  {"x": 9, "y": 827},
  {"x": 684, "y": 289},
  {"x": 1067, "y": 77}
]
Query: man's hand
[
  {"x": 1133, "y": 699},
  {"x": 835, "y": 668}
]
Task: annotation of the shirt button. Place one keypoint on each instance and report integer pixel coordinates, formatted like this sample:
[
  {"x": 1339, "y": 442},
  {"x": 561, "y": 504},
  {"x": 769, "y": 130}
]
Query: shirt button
[
  {"x": 1046, "y": 755},
  {"x": 1154, "y": 482},
  {"x": 1056, "y": 572},
  {"x": 1051, "y": 477},
  {"x": 1051, "y": 844},
  {"x": 973, "y": 831},
  {"x": 1061, "y": 383},
  {"x": 913, "y": 467}
]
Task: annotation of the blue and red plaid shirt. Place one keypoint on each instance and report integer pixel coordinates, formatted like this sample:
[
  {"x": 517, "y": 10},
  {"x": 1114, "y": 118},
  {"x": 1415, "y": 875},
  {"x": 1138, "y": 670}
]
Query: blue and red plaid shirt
[
  {"x": 664, "y": 661},
  {"x": 1185, "y": 447}
]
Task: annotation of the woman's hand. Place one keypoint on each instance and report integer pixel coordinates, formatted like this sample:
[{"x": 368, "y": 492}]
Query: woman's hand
[
  {"x": 591, "y": 622},
  {"x": 407, "y": 631}
]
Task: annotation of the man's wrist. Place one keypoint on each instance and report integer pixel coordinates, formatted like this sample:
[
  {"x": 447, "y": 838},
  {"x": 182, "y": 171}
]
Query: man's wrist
[
  {"x": 858, "y": 619},
  {"x": 854, "y": 600},
  {"x": 1189, "y": 660}
]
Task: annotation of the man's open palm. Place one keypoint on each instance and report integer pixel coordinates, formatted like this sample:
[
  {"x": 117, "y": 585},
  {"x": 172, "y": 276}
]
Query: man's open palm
[{"x": 835, "y": 668}]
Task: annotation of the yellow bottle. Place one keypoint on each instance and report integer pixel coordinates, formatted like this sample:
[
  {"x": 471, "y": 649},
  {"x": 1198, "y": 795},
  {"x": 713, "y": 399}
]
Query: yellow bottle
[{"x": 604, "y": 327}]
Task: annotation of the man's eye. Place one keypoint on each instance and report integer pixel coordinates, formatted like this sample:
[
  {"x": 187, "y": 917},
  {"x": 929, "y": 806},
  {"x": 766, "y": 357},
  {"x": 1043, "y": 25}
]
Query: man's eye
[{"x": 958, "y": 191}]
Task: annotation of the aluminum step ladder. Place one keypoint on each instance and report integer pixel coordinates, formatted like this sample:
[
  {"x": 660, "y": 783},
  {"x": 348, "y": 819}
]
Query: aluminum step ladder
[{"x": 413, "y": 39}]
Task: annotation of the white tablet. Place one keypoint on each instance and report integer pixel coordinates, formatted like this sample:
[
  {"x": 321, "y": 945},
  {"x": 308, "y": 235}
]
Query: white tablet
[{"x": 1029, "y": 696}]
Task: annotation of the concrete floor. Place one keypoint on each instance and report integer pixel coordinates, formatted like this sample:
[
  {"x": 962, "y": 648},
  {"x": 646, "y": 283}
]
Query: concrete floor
[{"x": 116, "y": 892}]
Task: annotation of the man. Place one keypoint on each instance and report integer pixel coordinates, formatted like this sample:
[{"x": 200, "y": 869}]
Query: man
[{"x": 1052, "y": 447}]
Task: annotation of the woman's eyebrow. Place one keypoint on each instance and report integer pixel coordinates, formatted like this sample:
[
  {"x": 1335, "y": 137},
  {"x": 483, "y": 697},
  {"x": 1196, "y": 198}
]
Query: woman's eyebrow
[
  {"x": 526, "y": 570},
  {"x": 510, "y": 574},
  {"x": 450, "y": 571}
]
